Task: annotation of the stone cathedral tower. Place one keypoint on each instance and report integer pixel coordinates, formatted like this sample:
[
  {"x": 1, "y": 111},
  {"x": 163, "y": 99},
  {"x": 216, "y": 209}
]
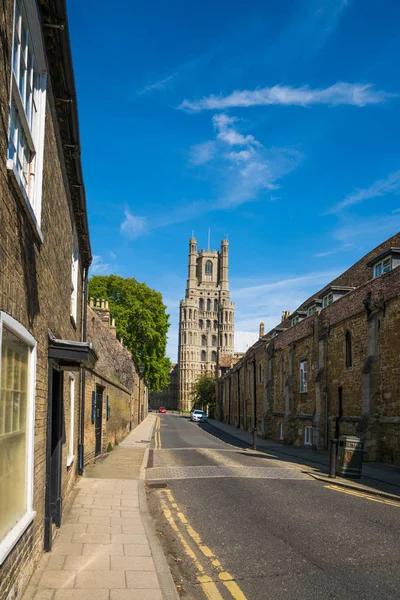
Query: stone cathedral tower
[{"x": 206, "y": 320}]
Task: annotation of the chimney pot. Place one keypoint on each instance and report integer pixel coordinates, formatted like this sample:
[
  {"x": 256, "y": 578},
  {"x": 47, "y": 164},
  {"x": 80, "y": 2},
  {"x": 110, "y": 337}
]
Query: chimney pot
[
  {"x": 97, "y": 302},
  {"x": 261, "y": 329},
  {"x": 102, "y": 303},
  {"x": 91, "y": 302},
  {"x": 107, "y": 304}
]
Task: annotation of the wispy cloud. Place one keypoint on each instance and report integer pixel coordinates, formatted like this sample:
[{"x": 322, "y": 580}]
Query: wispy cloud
[
  {"x": 381, "y": 187},
  {"x": 99, "y": 266},
  {"x": 355, "y": 94},
  {"x": 133, "y": 226},
  {"x": 156, "y": 85},
  {"x": 333, "y": 251},
  {"x": 374, "y": 228},
  {"x": 202, "y": 153}
]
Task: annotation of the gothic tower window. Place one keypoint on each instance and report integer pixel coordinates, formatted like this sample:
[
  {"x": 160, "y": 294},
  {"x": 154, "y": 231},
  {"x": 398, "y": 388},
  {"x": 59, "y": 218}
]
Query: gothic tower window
[
  {"x": 208, "y": 304},
  {"x": 214, "y": 340},
  {"x": 190, "y": 314},
  {"x": 203, "y": 340},
  {"x": 213, "y": 356},
  {"x": 215, "y": 325},
  {"x": 203, "y": 356},
  {"x": 226, "y": 339},
  {"x": 184, "y": 337},
  {"x": 349, "y": 352},
  {"x": 201, "y": 304},
  {"x": 215, "y": 305},
  {"x": 209, "y": 268},
  {"x": 201, "y": 324},
  {"x": 208, "y": 324}
]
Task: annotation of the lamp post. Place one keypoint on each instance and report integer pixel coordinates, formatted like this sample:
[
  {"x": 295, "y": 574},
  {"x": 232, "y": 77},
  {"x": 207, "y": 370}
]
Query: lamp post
[{"x": 141, "y": 371}]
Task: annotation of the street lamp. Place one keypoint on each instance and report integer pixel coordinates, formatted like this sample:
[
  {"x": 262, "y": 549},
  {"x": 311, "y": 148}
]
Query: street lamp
[{"x": 141, "y": 371}]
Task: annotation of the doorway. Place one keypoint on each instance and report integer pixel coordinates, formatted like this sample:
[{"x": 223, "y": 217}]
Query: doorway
[
  {"x": 99, "y": 419},
  {"x": 55, "y": 420}
]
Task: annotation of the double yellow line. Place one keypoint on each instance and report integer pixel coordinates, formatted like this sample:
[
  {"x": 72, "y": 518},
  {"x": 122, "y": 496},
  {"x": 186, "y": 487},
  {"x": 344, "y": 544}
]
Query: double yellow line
[
  {"x": 172, "y": 512},
  {"x": 157, "y": 435},
  {"x": 336, "y": 488}
]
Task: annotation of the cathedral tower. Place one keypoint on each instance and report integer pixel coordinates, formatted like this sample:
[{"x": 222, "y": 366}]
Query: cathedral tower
[{"x": 206, "y": 319}]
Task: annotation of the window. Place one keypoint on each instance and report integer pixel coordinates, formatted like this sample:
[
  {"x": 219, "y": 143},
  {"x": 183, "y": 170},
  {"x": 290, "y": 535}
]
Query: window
[
  {"x": 201, "y": 324},
  {"x": 383, "y": 267},
  {"x": 213, "y": 356},
  {"x": 308, "y": 435},
  {"x": 214, "y": 340},
  {"x": 203, "y": 340},
  {"x": 327, "y": 300},
  {"x": 203, "y": 356},
  {"x": 208, "y": 304},
  {"x": 17, "y": 375},
  {"x": 295, "y": 321},
  {"x": 28, "y": 101},
  {"x": 208, "y": 324},
  {"x": 74, "y": 275},
  {"x": 201, "y": 304},
  {"x": 209, "y": 268},
  {"x": 226, "y": 339},
  {"x": 215, "y": 305},
  {"x": 184, "y": 337},
  {"x": 303, "y": 376},
  {"x": 215, "y": 325},
  {"x": 349, "y": 355},
  {"x": 190, "y": 314},
  {"x": 70, "y": 449},
  {"x": 312, "y": 310}
]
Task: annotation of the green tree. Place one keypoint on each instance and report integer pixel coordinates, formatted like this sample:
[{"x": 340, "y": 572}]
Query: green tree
[
  {"x": 141, "y": 320},
  {"x": 203, "y": 392}
]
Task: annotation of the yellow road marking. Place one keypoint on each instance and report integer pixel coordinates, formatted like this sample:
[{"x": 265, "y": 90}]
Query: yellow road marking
[
  {"x": 362, "y": 495},
  {"x": 223, "y": 576},
  {"x": 157, "y": 434},
  {"x": 207, "y": 585}
]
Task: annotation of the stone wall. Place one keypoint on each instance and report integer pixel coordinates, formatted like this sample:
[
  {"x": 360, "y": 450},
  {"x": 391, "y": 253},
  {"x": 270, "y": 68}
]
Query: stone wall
[{"x": 361, "y": 399}]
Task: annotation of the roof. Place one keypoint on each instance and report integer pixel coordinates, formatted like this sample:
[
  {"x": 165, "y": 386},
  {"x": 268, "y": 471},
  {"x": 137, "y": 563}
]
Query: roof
[{"x": 59, "y": 60}]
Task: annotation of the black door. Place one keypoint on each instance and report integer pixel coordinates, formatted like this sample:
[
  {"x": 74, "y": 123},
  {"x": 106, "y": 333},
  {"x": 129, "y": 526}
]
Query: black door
[
  {"x": 54, "y": 452},
  {"x": 98, "y": 419}
]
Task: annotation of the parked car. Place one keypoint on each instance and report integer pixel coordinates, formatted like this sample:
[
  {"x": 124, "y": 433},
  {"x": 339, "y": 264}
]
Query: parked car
[
  {"x": 198, "y": 416},
  {"x": 162, "y": 409},
  {"x": 149, "y": 409}
]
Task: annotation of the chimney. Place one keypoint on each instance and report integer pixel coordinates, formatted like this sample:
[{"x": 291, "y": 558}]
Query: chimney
[
  {"x": 91, "y": 303},
  {"x": 113, "y": 328},
  {"x": 285, "y": 314},
  {"x": 261, "y": 329},
  {"x": 101, "y": 309}
]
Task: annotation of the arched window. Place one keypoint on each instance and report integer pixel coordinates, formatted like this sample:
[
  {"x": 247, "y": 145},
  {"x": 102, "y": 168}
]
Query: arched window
[
  {"x": 190, "y": 314},
  {"x": 213, "y": 356},
  {"x": 214, "y": 340},
  {"x": 204, "y": 340},
  {"x": 349, "y": 353},
  {"x": 215, "y": 325},
  {"x": 215, "y": 305},
  {"x": 208, "y": 324},
  {"x": 230, "y": 317},
  {"x": 208, "y": 304},
  {"x": 201, "y": 304},
  {"x": 208, "y": 270},
  {"x": 203, "y": 356},
  {"x": 190, "y": 337},
  {"x": 220, "y": 339},
  {"x": 184, "y": 314},
  {"x": 226, "y": 339},
  {"x": 226, "y": 317},
  {"x": 184, "y": 337},
  {"x": 201, "y": 324}
]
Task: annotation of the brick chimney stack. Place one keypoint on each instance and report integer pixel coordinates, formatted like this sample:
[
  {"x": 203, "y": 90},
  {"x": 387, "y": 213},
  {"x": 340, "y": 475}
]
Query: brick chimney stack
[
  {"x": 113, "y": 328},
  {"x": 261, "y": 329},
  {"x": 100, "y": 307}
]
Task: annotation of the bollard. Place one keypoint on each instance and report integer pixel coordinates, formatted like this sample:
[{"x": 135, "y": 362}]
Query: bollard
[
  {"x": 255, "y": 438},
  {"x": 332, "y": 459}
]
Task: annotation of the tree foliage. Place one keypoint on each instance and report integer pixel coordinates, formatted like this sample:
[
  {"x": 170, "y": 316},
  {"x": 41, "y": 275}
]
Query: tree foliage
[
  {"x": 141, "y": 320},
  {"x": 203, "y": 392}
]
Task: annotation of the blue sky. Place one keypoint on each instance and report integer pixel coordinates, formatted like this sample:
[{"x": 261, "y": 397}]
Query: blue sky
[{"x": 277, "y": 123}]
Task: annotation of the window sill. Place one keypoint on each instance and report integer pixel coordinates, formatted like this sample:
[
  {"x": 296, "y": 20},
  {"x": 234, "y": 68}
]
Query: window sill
[
  {"x": 8, "y": 543},
  {"x": 70, "y": 460},
  {"x": 18, "y": 187}
]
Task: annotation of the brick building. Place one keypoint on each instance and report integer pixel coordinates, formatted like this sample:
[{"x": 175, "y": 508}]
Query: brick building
[
  {"x": 115, "y": 393},
  {"x": 329, "y": 368}
]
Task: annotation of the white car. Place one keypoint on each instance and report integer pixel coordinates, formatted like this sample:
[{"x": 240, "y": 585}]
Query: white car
[{"x": 198, "y": 416}]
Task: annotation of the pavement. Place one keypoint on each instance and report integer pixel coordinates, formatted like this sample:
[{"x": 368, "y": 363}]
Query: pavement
[
  {"x": 107, "y": 546},
  {"x": 244, "y": 525},
  {"x": 377, "y": 478}
]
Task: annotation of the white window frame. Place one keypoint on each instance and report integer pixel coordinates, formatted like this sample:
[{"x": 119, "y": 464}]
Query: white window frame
[
  {"x": 74, "y": 275},
  {"x": 33, "y": 133},
  {"x": 308, "y": 435},
  {"x": 71, "y": 455},
  {"x": 384, "y": 266},
  {"x": 12, "y": 537},
  {"x": 295, "y": 320},
  {"x": 312, "y": 310},
  {"x": 327, "y": 300},
  {"x": 303, "y": 376}
]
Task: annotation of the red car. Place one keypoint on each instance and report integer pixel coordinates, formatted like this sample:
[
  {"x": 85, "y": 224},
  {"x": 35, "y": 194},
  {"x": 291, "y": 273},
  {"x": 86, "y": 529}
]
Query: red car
[{"x": 162, "y": 409}]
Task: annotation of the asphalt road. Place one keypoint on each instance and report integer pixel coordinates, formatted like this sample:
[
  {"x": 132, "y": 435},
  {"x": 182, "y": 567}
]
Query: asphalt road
[{"x": 273, "y": 532}]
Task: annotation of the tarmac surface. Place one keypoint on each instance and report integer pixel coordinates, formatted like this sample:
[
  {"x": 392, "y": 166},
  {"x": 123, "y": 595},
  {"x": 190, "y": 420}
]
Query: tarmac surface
[{"x": 240, "y": 524}]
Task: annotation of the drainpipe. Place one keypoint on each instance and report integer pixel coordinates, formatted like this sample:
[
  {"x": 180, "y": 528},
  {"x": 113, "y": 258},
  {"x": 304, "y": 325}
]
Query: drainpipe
[
  {"x": 81, "y": 444},
  {"x": 254, "y": 394},
  {"x": 238, "y": 395}
]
